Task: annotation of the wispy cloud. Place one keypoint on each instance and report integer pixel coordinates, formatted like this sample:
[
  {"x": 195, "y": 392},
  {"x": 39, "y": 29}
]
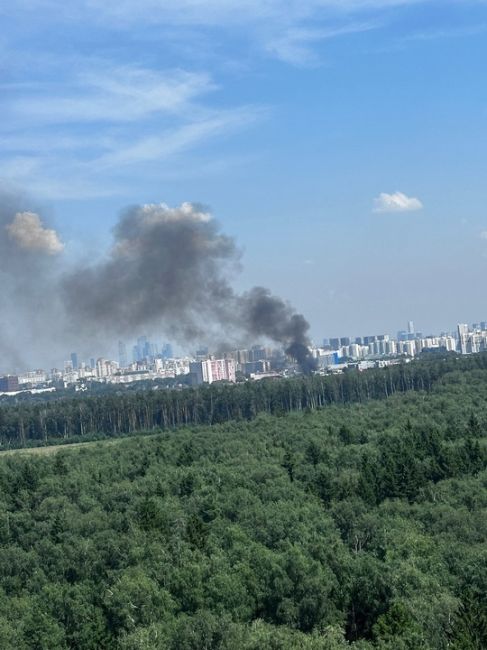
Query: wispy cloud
[
  {"x": 452, "y": 32},
  {"x": 202, "y": 12},
  {"x": 296, "y": 45},
  {"x": 235, "y": 12},
  {"x": 113, "y": 94},
  {"x": 73, "y": 138},
  {"x": 158, "y": 147},
  {"x": 286, "y": 29},
  {"x": 396, "y": 202},
  {"x": 80, "y": 125}
]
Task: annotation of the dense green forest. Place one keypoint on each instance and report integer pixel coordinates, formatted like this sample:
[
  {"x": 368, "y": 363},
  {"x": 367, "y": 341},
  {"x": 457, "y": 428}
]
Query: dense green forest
[
  {"x": 308, "y": 523},
  {"x": 43, "y": 420}
]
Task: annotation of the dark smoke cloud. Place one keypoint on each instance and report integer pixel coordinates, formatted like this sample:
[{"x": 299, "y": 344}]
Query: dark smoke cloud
[
  {"x": 266, "y": 315},
  {"x": 167, "y": 268},
  {"x": 170, "y": 268}
]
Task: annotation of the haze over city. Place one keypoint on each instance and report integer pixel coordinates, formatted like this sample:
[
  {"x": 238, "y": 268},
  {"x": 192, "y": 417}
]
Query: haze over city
[{"x": 337, "y": 145}]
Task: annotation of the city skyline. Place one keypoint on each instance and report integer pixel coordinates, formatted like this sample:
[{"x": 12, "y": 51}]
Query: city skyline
[
  {"x": 145, "y": 353},
  {"x": 358, "y": 197}
]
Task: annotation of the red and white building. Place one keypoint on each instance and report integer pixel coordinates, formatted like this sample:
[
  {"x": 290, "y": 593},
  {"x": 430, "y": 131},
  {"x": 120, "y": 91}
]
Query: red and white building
[{"x": 210, "y": 370}]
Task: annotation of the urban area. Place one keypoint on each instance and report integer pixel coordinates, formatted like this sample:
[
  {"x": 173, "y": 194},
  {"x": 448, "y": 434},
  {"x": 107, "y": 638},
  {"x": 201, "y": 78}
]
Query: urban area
[{"x": 149, "y": 361}]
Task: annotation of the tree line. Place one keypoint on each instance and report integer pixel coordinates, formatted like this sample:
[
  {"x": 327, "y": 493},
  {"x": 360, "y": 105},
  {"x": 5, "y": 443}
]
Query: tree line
[{"x": 115, "y": 414}]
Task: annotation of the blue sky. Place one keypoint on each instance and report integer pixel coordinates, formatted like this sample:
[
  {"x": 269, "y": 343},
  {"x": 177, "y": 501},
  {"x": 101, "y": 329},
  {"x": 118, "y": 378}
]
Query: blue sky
[{"x": 341, "y": 142}]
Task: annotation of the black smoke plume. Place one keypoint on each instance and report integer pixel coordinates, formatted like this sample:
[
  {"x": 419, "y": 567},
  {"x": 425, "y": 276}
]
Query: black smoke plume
[
  {"x": 266, "y": 315},
  {"x": 171, "y": 268}
]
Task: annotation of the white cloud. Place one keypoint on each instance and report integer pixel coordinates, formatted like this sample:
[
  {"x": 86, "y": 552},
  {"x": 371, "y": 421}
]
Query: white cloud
[
  {"x": 85, "y": 137},
  {"x": 79, "y": 127},
  {"x": 28, "y": 232},
  {"x": 161, "y": 147},
  {"x": 233, "y": 12},
  {"x": 396, "y": 202},
  {"x": 200, "y": 12},
  {"x": 295, "y": 45},
  {"x": 114, "y": 94},
  {"x": 286, "y": 29}
]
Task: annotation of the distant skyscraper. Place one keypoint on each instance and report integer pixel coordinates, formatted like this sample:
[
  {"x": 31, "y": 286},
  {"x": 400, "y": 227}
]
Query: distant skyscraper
[
  {"x": 257, "y": 353},
  {"x": 144, "y": 350},
  {"x": 122, "y": 354},
  {"x": 462, "y": 329},
  {"x": 410, "y": 327},
  {"x": 10, "y": 384},
  {"x": 74, "y": 360}
]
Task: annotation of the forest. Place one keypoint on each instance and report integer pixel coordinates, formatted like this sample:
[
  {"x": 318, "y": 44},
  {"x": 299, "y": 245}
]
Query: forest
[
  {"x": 317, "y": 514},
  {"x": 41, "y": 420}
]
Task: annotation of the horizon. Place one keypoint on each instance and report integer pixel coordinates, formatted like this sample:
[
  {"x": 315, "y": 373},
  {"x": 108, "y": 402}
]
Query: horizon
[
  {"x": 337, "y": 145},
  {"x": 193, "y": 351}
]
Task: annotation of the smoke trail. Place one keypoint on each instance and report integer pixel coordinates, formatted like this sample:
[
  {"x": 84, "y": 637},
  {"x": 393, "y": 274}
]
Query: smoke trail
[{"x": 169, "y": 267}]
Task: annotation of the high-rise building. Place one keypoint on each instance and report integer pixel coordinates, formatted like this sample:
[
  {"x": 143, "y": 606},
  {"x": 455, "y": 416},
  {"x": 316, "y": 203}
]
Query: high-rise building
[
  {"x": 462, "y": 330},
  {"x": 144, "y": 349},
  {"x": 122, "y": 354},
  {"x": 74, "y": 360},
  {"x": 410, "y": 327},
  {"x": 257, "y": 353},
  {"x": 9, "y": 384},
  {"x": 166, "y": 351},
  {"x": 202, "y": 352},
  {"x": 242, "y": 356},
  {"x": 213, "y": 370},
  {"x": 335, "y": 344}
]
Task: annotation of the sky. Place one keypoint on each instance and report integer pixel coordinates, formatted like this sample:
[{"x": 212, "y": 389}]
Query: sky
[{"x": 340, "y": 142}]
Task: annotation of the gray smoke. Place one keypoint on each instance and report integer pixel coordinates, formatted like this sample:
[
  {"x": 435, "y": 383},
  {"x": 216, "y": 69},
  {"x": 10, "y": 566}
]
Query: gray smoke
[
  {"x": 171, "y": 268},
  {"x": 263, "y": 314},
  {"x": 167, "y": 268},
  {"x": 29, "y": 273}
]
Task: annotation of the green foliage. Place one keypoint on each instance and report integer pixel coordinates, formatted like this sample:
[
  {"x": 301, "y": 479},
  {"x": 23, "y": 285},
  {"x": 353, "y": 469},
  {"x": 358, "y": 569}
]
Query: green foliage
[
  {"x": 105, "y": 412},
  {"x": 353, "y": 523}
]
